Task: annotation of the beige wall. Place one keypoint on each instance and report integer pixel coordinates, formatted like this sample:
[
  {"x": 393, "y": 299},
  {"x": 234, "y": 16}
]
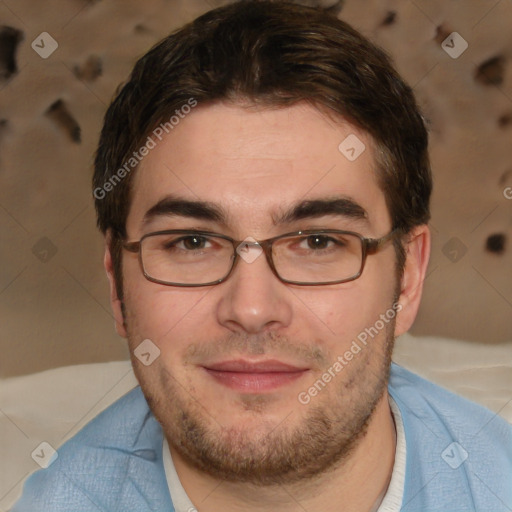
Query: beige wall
[{"x": 54, "y": 306}]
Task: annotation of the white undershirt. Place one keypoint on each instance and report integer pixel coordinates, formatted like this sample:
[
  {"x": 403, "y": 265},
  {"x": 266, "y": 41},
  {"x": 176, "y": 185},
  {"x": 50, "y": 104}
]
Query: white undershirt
[{"x": 391, "y": 502}]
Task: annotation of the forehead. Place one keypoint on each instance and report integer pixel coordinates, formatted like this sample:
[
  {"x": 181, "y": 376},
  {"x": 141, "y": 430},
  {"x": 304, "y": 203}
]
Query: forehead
[{"x": 256, "y": 164}]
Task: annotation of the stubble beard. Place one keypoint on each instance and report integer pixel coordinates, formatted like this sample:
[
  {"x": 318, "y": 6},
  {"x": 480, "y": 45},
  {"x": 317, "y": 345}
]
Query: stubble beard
[{"x": 335, "y": 422}]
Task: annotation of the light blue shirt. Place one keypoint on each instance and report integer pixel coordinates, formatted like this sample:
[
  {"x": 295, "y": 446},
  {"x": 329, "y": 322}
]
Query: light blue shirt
[{"x": 459, "y": 457}]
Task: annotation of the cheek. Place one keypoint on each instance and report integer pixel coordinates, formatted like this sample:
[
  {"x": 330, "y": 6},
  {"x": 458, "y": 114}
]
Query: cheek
[
  {"x": 348, "y": 309},
  {"x": 165, "y": 315}
]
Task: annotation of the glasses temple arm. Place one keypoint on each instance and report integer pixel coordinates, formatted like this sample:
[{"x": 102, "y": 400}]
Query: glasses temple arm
[{"x": 131, "y": 246}]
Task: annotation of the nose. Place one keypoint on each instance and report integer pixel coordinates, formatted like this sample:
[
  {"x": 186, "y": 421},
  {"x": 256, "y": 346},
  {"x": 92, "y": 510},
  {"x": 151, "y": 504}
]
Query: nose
[{"x": 253, "y": 300}]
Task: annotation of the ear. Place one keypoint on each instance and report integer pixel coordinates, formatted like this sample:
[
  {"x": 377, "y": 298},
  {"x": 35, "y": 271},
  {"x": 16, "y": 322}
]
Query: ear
[
  {"x": 115, "y": 301},
  {"x": 417, "y": 249}
]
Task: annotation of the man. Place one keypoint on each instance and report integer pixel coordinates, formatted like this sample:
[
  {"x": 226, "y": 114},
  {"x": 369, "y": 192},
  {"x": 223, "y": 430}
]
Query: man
[{"x": 263, "y": 184}]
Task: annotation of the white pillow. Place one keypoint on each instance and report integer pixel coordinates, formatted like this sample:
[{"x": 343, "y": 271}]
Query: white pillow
[{"x": 479, "y": 372}]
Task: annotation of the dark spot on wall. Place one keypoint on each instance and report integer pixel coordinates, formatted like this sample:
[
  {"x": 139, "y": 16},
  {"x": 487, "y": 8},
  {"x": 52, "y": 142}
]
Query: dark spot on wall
[
  {"x": 389, "y": 19},
  {"x": 505, "y": 177},
  {"x": 491, "y": 72},
  {"x": 4, "y": 124},
  {"x": 442, "y": 32},
  {"x": 496, "y": 243},
  {"x": 60, "y": 115},
  {"x": 90, "y": 70},
  {"x": 505, "y": 120},
  {"x": 141, "y": 29},
  {"x": 9, "y": 39}
]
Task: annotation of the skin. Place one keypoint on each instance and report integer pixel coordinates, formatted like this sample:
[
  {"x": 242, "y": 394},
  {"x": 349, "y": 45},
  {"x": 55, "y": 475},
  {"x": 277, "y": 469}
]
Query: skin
[{"x": 237, "y": 451}]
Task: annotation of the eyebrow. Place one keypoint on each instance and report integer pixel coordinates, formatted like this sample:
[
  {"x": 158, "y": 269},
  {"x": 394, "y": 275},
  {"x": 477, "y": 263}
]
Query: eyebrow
[
  {"x": 314, "y": 208},
  {"x": 305, "y": 209},
  {"x": 180, "y": 207}
]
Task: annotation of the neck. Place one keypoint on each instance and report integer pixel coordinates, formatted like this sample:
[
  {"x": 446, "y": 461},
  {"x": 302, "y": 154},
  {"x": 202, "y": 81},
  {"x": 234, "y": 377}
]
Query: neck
[{"x": 359, "y": 485}]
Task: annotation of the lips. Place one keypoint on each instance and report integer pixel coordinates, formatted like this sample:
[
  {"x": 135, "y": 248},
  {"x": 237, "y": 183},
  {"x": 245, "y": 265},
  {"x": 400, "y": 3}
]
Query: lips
[
  {"x": 256, "y": 377},
  {"x": 242, "y": 366}
]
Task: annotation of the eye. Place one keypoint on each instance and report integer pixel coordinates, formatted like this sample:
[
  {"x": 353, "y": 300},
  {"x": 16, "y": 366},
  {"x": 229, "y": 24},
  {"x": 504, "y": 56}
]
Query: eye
[
  {"x": 318, "y": 241},
  {"x": 192, "y": 243},
  {"x": 185, "y": 243}
]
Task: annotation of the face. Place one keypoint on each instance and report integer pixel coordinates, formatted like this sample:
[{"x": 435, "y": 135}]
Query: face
[{"x": 234, "y": 384}]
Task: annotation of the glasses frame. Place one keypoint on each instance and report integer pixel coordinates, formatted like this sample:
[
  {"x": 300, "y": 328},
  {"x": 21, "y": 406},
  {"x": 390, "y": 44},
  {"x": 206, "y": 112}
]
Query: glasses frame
[{"x": 368, "y": 246}]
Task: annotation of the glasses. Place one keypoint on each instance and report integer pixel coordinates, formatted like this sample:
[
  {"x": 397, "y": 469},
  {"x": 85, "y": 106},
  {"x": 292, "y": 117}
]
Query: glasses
[{"x": 308, "y": 258}]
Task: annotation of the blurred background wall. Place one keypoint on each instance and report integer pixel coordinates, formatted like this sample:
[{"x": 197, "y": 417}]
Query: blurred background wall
[{"x": 62, "y": 60}]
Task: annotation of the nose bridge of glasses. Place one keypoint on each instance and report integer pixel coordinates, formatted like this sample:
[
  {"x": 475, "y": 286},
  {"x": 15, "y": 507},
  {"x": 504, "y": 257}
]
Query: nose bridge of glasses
[
  {"x": 247, "y": 243},
  {"x": 250, "y": 249}
]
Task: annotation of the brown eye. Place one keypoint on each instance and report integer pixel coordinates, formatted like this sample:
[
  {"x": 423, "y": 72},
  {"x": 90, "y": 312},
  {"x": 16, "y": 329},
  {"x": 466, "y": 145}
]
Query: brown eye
[
  {"x": 193, "y": 242},
  {"x": 318, "y": 241}
]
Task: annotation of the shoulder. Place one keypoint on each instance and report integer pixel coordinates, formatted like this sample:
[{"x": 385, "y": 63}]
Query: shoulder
[
  {"x": 93, "y": 470},
  {"x": 458, "y": 453},
  {"x": 430, "y": 401}
]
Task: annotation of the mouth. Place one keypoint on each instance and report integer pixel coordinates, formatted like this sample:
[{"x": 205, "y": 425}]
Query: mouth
[{"x": 254, "y": 377}]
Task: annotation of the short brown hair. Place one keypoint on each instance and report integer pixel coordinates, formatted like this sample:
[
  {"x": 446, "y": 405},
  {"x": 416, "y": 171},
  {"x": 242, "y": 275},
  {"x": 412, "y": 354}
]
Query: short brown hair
[{"x": 275, "y": 54}]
